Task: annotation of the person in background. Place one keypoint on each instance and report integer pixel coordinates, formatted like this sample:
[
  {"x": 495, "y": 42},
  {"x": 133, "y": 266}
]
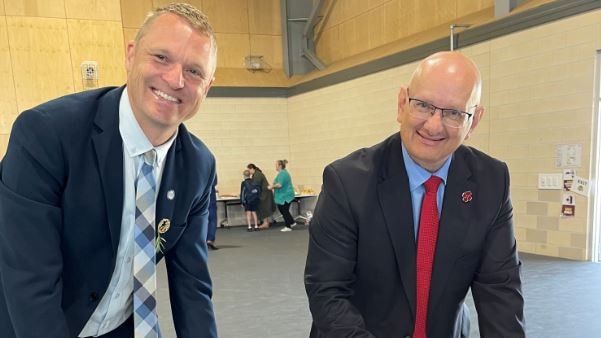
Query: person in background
[
  {"x": 283, "y": 194},
  {"x": 250, "y": 196},
  {"x": 212, "y": 223},
  {"x": 402, "y": 230},
  {"x": 96, "y": 187},
  {"x": 267, "y": 205}
]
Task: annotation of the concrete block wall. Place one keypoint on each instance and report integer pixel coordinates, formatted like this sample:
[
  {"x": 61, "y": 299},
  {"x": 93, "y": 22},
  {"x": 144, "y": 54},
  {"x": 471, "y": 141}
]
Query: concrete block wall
[
  {"x": 240, "y": 131},
  {"x": 538, "y": 91}
]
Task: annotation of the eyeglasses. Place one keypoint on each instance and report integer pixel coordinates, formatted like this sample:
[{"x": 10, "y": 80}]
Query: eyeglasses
[{"x": 453, "y": 118}]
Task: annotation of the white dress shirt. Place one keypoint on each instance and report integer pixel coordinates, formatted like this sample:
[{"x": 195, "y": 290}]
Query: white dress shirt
[{"x": 116, "y": 306}]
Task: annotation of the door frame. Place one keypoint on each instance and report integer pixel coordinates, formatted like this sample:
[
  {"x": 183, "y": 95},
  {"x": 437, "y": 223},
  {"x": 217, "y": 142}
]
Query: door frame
[{"x": 594, "y": 206}]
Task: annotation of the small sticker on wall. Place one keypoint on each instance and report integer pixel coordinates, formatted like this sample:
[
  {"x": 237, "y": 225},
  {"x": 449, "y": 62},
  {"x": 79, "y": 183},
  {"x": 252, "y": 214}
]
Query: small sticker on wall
[
  {"x": 568, "y": 179},
  {"x": 568, "y": 199},
  {"x": 580, "y": 186},
  {"x": 568, "y": 204},
  {"x": 568, "y": 210}
]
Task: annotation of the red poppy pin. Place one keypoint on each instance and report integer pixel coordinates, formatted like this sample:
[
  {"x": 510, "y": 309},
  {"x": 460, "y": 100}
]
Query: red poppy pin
[{"x": 466, "y": 196}]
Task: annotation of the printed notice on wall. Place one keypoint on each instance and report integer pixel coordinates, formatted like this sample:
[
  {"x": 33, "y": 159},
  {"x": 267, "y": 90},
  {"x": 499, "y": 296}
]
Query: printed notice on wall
[
  {"x": 580, "y": 186},
  {"x": 568, "y": 155},
  {"x": 568, "y": 178}
]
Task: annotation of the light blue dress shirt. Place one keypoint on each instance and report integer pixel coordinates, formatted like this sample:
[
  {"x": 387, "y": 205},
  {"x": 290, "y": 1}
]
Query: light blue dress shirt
[
  {"x": 116, "y": 305},
  {"x": 417, "y": 177}
]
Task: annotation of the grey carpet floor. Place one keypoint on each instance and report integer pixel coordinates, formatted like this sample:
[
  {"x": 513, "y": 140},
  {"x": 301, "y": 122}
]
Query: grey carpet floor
[{"x": 258, "y": 290}]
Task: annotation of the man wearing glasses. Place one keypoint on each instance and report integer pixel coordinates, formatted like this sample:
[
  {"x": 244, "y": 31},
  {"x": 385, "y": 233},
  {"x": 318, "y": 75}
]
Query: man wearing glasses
[{"x": 402, "y": 230}]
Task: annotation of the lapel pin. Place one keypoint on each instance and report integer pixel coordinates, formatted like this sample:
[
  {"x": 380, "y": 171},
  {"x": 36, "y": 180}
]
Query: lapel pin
[
  {"x": 171, "y": 194},
  {"x": 466, "y": 196},
  {"x": 163, "y": 227}
]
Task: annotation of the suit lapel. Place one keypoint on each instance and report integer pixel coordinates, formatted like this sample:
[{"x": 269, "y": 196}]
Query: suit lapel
[
  {"x": 454, "y": 224},
  {"x": 108, "y": 148},
  {"x": 170, "y": 190},
  {"x": 395, "y": 199}
]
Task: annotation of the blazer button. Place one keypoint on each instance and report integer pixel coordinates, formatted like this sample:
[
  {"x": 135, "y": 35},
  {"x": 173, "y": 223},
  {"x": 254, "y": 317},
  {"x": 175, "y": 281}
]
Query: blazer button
[{"x": 93, "y": 297}]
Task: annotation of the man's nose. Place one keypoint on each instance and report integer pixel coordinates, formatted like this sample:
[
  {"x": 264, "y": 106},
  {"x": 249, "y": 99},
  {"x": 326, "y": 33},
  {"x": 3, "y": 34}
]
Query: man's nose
[
  {"x": 174, "y": 76},
  {"x": 434, "y": 122}
]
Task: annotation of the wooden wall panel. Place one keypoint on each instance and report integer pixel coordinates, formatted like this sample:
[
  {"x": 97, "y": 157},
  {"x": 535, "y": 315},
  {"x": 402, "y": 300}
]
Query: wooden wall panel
[
  {"x": 376, "y": 27},
  {"x": 8, "y": 106},
  {"x": 40, "y": 56},
  {"x": 38, "y": 8},
  {"x": 232, "y": 50},
  {"x": 419, "y": 15},
  {"x": 2, "y": 8},
  {"x": 227, "y": 16},
  {"x": 270, "y": 46},
  {"x": 93, "y": 9},
  {"x": 265, "y": 17},
  {"x": 443, "y": 10},
  {"x": 348, "y": 33},
  {"x": 362, "y": 28},
  {"x": 332, "y": 13},
  {"x": 240, "y": 77},
  {"x": 195, "y": 3},
  {"x": 465, "y": 7},
  {"x": 352, "y": 8},
  {"x": 128, "y": 35},
  {"x": 365, "y": 25},
  {"x": 100, "y": 41},
  {"x": 329, "y": 45},
  {"x": 133, "y": 12},
  {"x": 393, "y": 21},
  {"x": 377, "y": 3}
]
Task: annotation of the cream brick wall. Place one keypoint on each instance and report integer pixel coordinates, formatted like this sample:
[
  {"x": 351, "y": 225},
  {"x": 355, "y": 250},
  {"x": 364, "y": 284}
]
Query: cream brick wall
[
  {"x": 329, "y": 123},
  {"x": 243, "y": 130},
  {"x": 538, "y": 91}
]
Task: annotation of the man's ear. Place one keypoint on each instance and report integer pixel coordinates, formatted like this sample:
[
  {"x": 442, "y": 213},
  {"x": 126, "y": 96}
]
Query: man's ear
[
  {"x": 402, "y": 102},
  {"x": 478, "y": 113},
  {"x": 209, "y": 86},
  {"x": 130, "y": 50}
]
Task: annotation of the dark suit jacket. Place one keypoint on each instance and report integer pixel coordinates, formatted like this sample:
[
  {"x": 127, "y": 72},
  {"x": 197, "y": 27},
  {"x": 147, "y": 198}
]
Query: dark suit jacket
[
  {"x": 61, "y": 200},
  {"x": 360, "y": 272}
]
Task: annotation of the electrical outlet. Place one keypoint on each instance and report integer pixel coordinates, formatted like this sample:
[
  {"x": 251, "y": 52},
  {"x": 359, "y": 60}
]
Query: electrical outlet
[{"x": 89, "y": 70}]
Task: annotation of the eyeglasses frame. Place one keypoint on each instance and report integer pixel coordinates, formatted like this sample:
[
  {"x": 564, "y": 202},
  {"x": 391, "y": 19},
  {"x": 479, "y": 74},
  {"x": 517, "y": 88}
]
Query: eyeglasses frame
[{"x": 442, "y": 110}]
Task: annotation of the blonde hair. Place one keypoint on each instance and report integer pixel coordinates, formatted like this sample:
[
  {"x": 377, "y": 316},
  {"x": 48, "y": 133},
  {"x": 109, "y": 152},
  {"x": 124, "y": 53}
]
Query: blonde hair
[
  {"x": 195, "y": 18},
  {"x": 246, "y": 173}
]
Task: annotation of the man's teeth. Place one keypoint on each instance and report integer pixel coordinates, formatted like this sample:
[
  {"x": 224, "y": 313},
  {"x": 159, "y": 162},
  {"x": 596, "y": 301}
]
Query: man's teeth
[{"x": 165, "y": 96}]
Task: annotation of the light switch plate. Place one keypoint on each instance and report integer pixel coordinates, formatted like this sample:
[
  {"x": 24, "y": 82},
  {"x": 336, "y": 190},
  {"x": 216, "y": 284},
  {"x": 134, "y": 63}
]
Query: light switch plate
[{"x": 550, "y": 181}]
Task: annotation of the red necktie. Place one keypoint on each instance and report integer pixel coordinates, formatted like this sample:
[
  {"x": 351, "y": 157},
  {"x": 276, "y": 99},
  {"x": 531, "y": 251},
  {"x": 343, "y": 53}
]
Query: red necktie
[{"x": 426, "y": 245}]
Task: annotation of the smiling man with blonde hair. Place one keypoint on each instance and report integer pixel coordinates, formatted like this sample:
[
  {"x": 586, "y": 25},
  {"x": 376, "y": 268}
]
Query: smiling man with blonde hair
[{"x": 97, "y": 187}]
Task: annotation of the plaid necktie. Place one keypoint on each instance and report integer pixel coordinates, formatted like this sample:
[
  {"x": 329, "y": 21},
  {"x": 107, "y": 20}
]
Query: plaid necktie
[
  {"x": 426, "y": 245},
  {"x": 145, "y": 316}
]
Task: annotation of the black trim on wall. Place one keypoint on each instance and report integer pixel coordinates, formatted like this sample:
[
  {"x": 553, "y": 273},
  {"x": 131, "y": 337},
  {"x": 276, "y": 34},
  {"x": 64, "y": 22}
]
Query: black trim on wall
[{"x": 550, "y": 12}]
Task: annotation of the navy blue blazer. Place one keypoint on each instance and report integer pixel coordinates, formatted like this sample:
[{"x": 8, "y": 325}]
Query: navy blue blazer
[
  {"x": 360, "y": 273},
  {"x": 61, "y": 201}
]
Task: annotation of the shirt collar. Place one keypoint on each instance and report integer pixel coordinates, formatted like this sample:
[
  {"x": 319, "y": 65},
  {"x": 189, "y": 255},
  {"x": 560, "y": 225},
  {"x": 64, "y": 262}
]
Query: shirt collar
[
  {"x": 134, "y": 140},
  {"x": 418, "y": 175}
]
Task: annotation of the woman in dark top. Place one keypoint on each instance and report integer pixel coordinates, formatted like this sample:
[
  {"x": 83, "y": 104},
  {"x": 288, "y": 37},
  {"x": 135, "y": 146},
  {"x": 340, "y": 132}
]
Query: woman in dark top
[{"x": 266, "y": 206}]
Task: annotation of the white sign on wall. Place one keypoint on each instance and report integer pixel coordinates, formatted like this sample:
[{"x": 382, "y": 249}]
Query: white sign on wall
[
  {"x": 580, "y": 186},
  {"x": 568, "y": 155}
]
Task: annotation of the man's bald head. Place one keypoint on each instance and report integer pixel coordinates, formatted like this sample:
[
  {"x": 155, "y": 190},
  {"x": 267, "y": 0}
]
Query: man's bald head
[{"x": 451, "y": 68}]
